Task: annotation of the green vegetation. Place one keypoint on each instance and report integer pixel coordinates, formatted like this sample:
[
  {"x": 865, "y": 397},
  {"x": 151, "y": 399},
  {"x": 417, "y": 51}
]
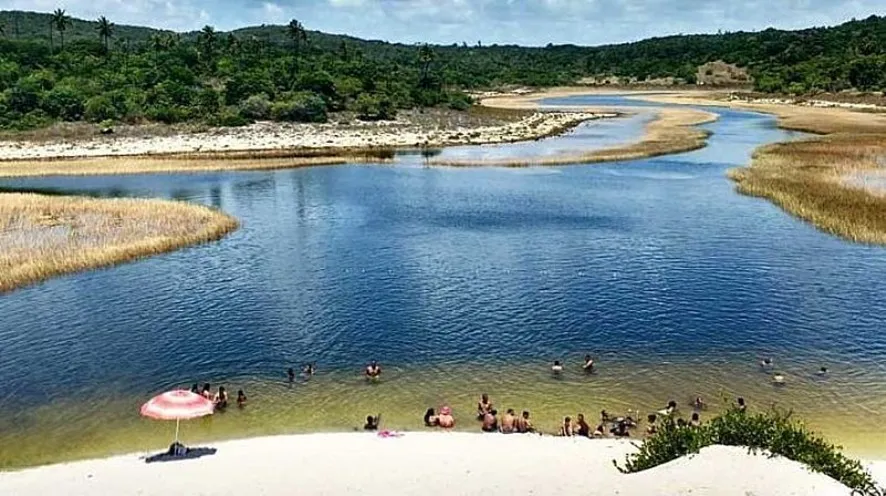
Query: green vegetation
[
  {"x": 53, "y": 67},
  {"x": 775, "y": 432}
]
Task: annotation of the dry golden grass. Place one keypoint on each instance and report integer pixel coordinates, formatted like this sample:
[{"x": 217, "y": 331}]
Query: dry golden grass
[
  {"x": 809, "y": 180},
  {"x": 672, "y": 131},
  {"x": 45, "y": 236},
  {"x": 202, "y": 162},
  {"x": 817, "y": 179}
]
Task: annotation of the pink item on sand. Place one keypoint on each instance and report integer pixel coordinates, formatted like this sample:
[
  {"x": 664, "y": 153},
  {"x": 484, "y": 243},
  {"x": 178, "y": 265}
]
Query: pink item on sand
[{"x": 387, "y": 434}]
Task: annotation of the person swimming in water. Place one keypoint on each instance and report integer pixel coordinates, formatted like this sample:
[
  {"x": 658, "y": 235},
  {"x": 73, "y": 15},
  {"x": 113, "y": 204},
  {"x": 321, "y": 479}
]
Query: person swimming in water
[
  {"x": 778, "y": 379},
  {"x": 670, "y": 409},
  {"x": 373, "y": 371},
  {"x": 589, "y": 364},
  {"x": 221, "y": 399},
  {"x": 372, "y": 423},
  {"x": 241, "y": 398},
  {"x": 698, "y": 404},
  {"x": 742, "y": 406},
  {"x": 308, "y": 369},
  {"x": 490, "y": 421},
  {"x": 766, "y": 363},
  {"x": 557, "y": 367},
  {"x": 822, "y": 371},
  {"x": 484, "y": 406}
]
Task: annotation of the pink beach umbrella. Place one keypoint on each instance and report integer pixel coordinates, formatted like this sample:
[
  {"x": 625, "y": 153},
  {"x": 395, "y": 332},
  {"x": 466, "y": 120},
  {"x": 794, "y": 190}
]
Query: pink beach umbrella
[{"x": 177, "y": 405}]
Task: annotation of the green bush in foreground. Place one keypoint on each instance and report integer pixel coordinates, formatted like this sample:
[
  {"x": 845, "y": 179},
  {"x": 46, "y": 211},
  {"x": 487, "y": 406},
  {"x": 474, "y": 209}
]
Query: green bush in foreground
[{"x": 775, "y": 432}]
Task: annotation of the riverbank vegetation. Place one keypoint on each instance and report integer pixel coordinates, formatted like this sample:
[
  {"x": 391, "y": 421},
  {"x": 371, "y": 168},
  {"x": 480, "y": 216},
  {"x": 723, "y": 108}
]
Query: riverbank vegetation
[
  {"x": 773, "y": 433},
  {"x": 671, "y": 131},
  {"x": 54, "y": 68},
  {"x": 45, "y": 236}
]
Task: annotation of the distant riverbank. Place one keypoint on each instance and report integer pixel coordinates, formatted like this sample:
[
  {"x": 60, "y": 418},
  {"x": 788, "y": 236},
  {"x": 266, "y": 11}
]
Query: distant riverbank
[{"x": 832, "y": 181}]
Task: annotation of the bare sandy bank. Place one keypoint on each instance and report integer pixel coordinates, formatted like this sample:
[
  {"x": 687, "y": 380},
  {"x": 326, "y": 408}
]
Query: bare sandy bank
[
  {"x": 45, "y": 236},
  {"x": 427, "y": 464}
]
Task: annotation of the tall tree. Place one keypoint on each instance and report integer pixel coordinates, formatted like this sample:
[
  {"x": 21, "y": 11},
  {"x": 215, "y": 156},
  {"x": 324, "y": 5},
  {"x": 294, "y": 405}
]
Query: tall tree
[
  {"x": 61, "y": 21},
  {"x": 297, "y": 34},
  {"x": 105, "y": 30},
  {"x": 425, "y": 58},
  {"x": 208, "y": 38}
]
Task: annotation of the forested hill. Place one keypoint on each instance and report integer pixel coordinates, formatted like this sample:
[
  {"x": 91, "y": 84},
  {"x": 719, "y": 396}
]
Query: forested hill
[{"x": 54, "y": 67}]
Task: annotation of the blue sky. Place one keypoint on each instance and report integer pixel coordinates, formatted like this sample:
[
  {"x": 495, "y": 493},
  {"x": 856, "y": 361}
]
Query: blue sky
[{"x": 530, "y": 22}]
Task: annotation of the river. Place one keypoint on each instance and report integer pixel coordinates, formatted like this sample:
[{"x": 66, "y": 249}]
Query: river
[{"x": 459, "y": 281}]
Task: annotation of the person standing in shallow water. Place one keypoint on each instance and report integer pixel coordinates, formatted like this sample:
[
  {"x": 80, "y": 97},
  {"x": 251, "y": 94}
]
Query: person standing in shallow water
[
  {"x": 373, "y": 371},
  {"x": 291, "y": 374},
  {"x": 589, "y": 364}
]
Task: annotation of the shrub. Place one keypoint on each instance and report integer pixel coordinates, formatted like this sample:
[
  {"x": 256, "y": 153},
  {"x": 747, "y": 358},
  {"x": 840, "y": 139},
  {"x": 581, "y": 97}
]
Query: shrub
[
  {"x": 100, "y": 108},
  {"x": 63, "y": 103},
  {"x": 460, "y": 101},
  {"x": 774, "y": 431},
  {"x": 256, "y": 107},
  {"x": 374, "y": 108},
  {"x": 300, "y": 107},
  {"x": 229, "y": 117}
]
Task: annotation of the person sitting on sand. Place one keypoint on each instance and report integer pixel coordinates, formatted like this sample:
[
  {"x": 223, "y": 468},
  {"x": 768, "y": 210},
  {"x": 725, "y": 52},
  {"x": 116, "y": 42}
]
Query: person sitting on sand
[
  {"x": 651, "y": 428},
  {"x": 567, "y": 429},
  {"x": 600, "y": 430},
  {"x": 582, "y": 428},
  {"x": 484, "y": 406},
  {"x": 509, "y": 422},
  {"x": 308, "y": 369},
  {"x": 206, "y": 392},
  {"x": 445, "y": 419},
  {"x": 741, "y": 404},
  {"x": 698, "y": 404},
  {"x": 373, "y": 371},
  {"x": 490, "y": 421},
  {"x": 557, "y": 367},
  {"x": 589, "y": 364},
  {"x": 523, "y": 424},
  {"x": 620, "y": 429},
  {"x": 372, "y": 422},
  {"x": 221, "y": 399},
  {"x": 430, "y": 418},
  {"x": 241, "y": 398},
  {"x": 695, "y": 421},
  {"x": 291, "y": 374}
]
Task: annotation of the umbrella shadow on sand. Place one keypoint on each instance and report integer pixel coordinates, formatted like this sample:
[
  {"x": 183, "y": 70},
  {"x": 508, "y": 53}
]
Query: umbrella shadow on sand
[{"x": 188, "y": 454}]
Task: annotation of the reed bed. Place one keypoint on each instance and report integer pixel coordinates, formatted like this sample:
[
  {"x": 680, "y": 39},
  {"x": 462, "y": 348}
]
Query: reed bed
[
  {"x": 672, "y": 131},
  {"x": 181, "y": 163},
  {"x": 46, "y": 236},
  {"x": 812, "y": 181}
]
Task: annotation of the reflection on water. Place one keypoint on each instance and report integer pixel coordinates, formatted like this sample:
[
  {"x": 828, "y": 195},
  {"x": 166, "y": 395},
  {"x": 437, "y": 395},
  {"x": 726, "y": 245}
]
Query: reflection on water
[{"x": 459, "y": 281}]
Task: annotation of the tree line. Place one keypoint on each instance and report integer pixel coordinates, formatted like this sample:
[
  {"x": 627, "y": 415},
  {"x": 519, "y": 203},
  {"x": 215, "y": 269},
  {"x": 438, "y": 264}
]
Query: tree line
[{"x": 53, "y": 68}]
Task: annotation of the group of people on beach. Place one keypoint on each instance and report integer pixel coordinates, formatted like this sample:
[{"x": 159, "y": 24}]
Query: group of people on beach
[{"x": 219, "y": 399}]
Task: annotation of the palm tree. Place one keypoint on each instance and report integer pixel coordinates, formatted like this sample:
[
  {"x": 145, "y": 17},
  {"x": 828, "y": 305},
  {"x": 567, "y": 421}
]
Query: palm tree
[
  {"x": 105, "y": 30},
  {"x": 297, "y": 34},
  {"x": 61, "y": 21}
]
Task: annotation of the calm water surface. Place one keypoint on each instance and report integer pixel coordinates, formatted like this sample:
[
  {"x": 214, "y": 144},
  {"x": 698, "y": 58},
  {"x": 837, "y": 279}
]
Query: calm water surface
[{"x": 460, "y": 281}]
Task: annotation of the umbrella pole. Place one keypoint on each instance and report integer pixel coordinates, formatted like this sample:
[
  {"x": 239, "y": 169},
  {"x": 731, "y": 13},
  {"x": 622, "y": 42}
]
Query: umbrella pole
[{"x": 176, "y": 430}]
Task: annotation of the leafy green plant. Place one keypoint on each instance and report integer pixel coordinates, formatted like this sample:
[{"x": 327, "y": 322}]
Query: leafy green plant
[{"x": 774, "y": 432}]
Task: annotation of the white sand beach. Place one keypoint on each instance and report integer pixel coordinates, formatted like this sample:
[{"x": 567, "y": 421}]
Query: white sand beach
[
  {"x": 427, "y": 464},
  {"x": 276, "y": 136}
]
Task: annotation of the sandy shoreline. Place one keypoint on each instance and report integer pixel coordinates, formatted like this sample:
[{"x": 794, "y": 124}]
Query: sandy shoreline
[{"x": 426, "y": 463}]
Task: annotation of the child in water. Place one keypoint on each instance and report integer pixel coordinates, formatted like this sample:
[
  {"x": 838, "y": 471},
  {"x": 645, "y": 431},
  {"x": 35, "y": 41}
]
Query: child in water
[{"x": 241, "y": 398}]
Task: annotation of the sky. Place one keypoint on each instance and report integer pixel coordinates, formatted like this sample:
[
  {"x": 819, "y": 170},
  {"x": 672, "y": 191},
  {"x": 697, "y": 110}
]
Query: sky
[{"x": 525, "y": 22}]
